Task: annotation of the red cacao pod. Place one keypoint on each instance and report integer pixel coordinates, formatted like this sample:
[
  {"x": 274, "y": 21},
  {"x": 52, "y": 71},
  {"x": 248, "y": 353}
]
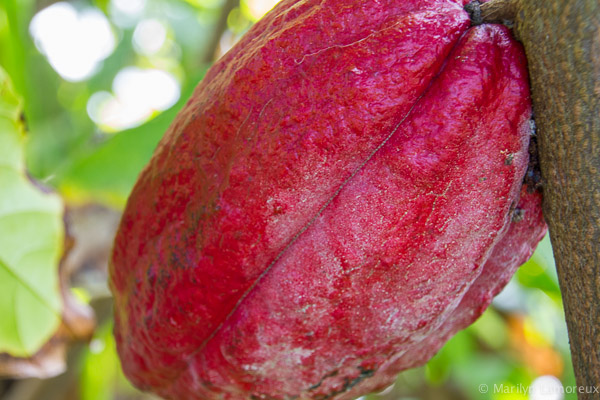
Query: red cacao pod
[{"x": 329, "y": 207}]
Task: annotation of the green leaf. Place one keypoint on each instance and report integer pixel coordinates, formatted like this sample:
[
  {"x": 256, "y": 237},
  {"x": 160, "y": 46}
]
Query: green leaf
[
  {"x": 32, "y": 232},
  {"x": 101, "y": 376},
  {"x": 540, "y": 272},
  {"x": 108, "y": 172}
]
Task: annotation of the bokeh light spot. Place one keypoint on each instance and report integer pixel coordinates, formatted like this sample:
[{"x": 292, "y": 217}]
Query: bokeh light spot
[
  {"x": 74, "y": 42},
  {"x": 130, "y": 7},
  {"x": 137, "y": 95},
  {"x": 546, "y": 387},
  {"x": 149, "y": 36},
  {"x": 258, "y": 8}
]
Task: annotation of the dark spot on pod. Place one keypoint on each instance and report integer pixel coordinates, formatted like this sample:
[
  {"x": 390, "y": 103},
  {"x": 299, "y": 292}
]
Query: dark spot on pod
[{"x": 518, "y": 215}]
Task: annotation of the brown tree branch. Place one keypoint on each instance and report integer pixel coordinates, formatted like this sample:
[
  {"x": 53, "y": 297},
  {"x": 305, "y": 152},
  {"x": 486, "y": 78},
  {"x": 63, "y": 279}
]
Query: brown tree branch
[
  {"x": 221, "y": 26},
  {"x": 493, "y": 11},
  {"x": 562, "y": 42},
  {"x": 499, "y": 10}
]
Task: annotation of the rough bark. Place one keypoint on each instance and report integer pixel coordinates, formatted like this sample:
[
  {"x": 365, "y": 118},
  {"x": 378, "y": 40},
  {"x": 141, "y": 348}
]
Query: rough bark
[{"x": 562, "y": 43}]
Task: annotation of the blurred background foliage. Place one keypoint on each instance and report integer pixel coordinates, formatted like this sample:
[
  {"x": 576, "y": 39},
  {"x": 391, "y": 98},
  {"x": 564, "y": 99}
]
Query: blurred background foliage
[{"x": 100, "y": 82}]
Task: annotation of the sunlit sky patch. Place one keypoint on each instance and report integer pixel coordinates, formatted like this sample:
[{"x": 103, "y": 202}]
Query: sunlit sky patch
[{"x": 74, "y": 42}]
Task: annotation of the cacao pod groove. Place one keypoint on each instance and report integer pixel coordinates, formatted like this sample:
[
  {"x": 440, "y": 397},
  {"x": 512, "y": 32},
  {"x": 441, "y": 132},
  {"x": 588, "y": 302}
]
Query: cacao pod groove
[{"x": 332, "y": 204}]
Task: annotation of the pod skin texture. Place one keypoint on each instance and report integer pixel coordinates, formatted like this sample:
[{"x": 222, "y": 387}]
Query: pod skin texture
[{"x": 325, "y": 203}]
